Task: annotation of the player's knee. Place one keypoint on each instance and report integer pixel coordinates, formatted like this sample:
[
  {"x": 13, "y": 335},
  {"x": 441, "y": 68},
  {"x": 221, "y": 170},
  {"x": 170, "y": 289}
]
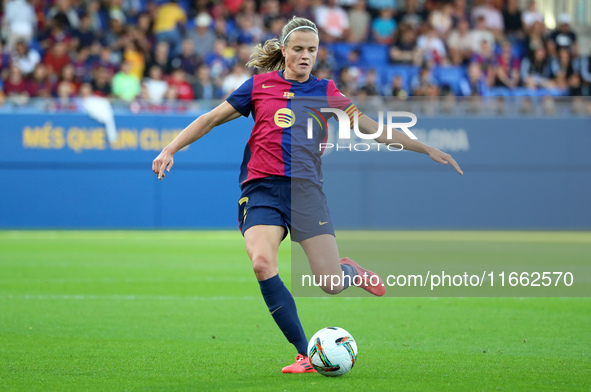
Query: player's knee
[
  {"x": 264, "y": 266},
  {"x": 332, "y": 289}
]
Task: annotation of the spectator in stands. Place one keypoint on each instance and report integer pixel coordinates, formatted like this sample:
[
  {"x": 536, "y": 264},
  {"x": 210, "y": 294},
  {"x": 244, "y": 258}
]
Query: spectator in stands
[
  {"x": 424, "y": 84},
  {"x": 332, "y": 21},
  {"x": 404, "y": 50},
  {"x": 4, "y": 61},
  {"x": 562, "y": 68},
  {"x": 144, "y": 26},
  {"x": 354, "y": 70},
  {"x": 535, "y": 39},
  {"x": 250, "y": 23},
  {"x": 68, "y": 77},
  {"x": 397, "y": 89},
  {"x": 513, "y": 20},
  {"x": 26, "y": 58},
  {"x": 481, "y": 33},
  {"x": 83, "y": 36},
  {"x": 161, "y": 58},
  {"x": 132, "y": 9},
  {"x": 135, "y": 56},
  {"x": 575, "y": 86},
  {"x": 431, "y": 47},
  {"x": 459, "y": 12},
  {"x": 169, "y": 23},
  {"x": 493, "y": 19},
  {"x": 221, "y": 31},
  {"x": 40, "y": 85},
  {"x": 65, "y": 13},
  {"x": 202, "y": 36},
  {"x": 271, "y": 10},
  {"x": 233, "y": 6},
  {"x": 64, "y": 94},
  {"x": 485, "y": 58},
  {"x": 216, "y": 61},
  {"x": 99, "y": 17},
  {"x": 54, "y": 32},
  {"x": 441, "y": 19},
  {"x": 155, "y": 85},
  {"x": 243, "y": 53},
  {"x": 125, "y": 85},
  {"x": 536, "y": 72},
  {"x": 412, "y": 15},
  {"x": 375, "y": 7},
  {"x": 370, "y": 87},
  {"x": 460, "y": 43},
  {"x": 178, "y": 82},
  {"x": 15, "y": 86},
  {"x": 188, "y": 60},
  {"x": 237, "y": 76},
  {"x": 564, "y": 36},
  {"x": 359, "y": 22},
  {"x": 106, "y": 61},
  {"x": 82, "y": 66},
  {"x": 531, "y": 16},
  {"x": 324, "y": 60},
  {"x": 302, "y": 9},
  {"x": 115, "y": 37},
  {"x": 475, "y": 84},
  {"x": 204, "y": 87},
  {"x": 56, "y": 58},
  {"x": 248, "y": 31},
  {"x": 346, "y": 82},
  {"x": 19, "y": 22},
  {"x": 384, "y": 26},
  {"x": 101, "y": 83},
  {"x": 506, "y": 68}
]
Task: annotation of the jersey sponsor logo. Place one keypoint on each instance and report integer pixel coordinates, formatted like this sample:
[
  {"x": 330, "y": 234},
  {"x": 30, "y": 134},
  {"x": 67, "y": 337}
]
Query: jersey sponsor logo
[
  {"x": 267, "y": 86},
  {"x": 284, "y": 118},
  {"x": 287, "y": 94}
]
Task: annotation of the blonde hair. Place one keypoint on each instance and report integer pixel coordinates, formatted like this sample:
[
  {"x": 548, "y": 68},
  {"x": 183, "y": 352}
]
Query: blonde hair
[{"x": 268, "y": 56}]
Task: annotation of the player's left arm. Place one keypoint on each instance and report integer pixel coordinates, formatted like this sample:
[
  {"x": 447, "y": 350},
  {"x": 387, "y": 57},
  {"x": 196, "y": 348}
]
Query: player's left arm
[{"x": 369, "y": 126}]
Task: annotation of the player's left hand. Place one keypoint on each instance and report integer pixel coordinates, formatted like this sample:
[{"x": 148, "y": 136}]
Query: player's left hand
[{"x": 444, "y": 158}]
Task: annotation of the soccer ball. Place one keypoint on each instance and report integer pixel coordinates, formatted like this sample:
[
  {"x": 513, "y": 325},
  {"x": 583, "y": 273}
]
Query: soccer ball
[{"x": 332, "y": 351}]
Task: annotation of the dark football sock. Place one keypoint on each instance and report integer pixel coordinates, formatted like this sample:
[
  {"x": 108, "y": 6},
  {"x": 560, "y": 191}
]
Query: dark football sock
[
  {"x": 283, "y": 309},
  {"x": 349, "y": 272}
]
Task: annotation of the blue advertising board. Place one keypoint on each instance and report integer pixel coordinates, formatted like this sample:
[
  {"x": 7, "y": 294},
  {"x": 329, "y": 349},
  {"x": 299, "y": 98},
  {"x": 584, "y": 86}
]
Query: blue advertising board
[{"x": 60, "y": 171}]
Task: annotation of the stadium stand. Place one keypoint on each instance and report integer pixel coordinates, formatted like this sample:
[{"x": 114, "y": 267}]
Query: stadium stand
[{"x": 502, "y": 48}]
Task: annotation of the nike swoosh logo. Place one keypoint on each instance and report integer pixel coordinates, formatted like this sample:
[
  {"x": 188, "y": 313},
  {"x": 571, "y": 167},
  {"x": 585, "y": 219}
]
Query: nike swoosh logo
[
  {"x": 276, "y": 309},
  {"x": 322, "y": 223},
  {"x": 267, "y": 86}
]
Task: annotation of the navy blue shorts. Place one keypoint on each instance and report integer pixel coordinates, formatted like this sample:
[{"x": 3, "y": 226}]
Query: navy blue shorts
[{"x": 296, "y": 204}]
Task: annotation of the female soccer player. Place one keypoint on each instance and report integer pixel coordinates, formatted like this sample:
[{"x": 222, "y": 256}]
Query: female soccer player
[{"x": 277, "y": 193}]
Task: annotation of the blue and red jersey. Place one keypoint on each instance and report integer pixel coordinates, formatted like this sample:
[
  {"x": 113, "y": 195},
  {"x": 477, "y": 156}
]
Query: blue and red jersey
[{"x": 279, "y": 143}]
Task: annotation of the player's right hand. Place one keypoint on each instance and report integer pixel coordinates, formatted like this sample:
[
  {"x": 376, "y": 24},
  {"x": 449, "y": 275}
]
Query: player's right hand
[{"x": 163, "y": 161}]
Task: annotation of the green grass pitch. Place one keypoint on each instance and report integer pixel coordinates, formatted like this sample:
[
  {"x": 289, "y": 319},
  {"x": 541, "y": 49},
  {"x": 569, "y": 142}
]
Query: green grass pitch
[{"x": 175, "y": 311}]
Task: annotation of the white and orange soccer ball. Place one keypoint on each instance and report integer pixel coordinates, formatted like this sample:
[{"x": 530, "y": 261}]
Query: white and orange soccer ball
[{"x": 332, "y": 351}]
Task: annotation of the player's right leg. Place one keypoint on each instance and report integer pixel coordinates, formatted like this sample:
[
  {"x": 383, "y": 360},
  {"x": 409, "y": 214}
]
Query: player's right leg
[
  {"x": 262, "y": 245},
  {"x": 323, "y": 255}
]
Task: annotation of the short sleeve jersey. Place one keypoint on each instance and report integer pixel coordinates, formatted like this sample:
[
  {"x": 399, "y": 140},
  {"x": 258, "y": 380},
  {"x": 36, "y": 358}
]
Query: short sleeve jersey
[{"x": 284, "y": 142}]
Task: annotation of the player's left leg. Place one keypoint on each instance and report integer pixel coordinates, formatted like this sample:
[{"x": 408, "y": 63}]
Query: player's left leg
[{"x": 323, "y": 255}]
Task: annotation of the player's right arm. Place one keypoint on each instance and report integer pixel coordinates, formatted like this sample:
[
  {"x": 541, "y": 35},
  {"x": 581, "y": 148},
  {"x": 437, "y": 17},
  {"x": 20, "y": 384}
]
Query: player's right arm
[{"x": 194, "y": 131}]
